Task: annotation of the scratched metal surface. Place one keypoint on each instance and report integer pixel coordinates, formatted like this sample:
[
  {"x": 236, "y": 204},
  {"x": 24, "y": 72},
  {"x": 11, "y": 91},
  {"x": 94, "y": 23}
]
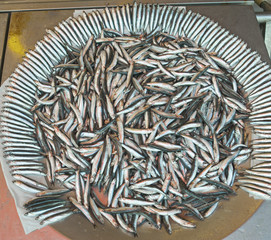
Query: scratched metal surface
[
  {"x": 27, "y": 28},
  {"x": 3, "y": 26},
  {"x": 26, "y": 5}
]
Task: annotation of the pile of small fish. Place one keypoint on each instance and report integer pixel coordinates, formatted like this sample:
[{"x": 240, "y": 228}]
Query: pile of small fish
[{"x": 152, "y": 121}]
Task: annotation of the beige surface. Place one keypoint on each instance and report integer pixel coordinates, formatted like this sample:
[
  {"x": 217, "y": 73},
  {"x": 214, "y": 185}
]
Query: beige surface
[
  {"x": 25, "y": 5},
  {"x": 27, "y": 28},
  {"x": 3, "y": 26}
]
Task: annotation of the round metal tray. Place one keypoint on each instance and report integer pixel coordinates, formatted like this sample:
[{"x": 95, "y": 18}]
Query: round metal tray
[{"x": 230, "y": 215}]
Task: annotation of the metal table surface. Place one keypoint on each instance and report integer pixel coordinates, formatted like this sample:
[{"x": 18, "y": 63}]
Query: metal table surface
[
  {"x": 26, "y": 28},
  {"x": 29, "y": 5},
  {"x": 4, "y": 19}
]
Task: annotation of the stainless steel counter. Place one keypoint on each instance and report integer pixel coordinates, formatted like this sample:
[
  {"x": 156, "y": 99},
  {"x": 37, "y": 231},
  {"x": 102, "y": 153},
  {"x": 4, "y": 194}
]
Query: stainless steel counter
[
  {"x": 4, "y": 17},
  {"x": 25, "y": 29},
  {"x": 30, "y": 5}
]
